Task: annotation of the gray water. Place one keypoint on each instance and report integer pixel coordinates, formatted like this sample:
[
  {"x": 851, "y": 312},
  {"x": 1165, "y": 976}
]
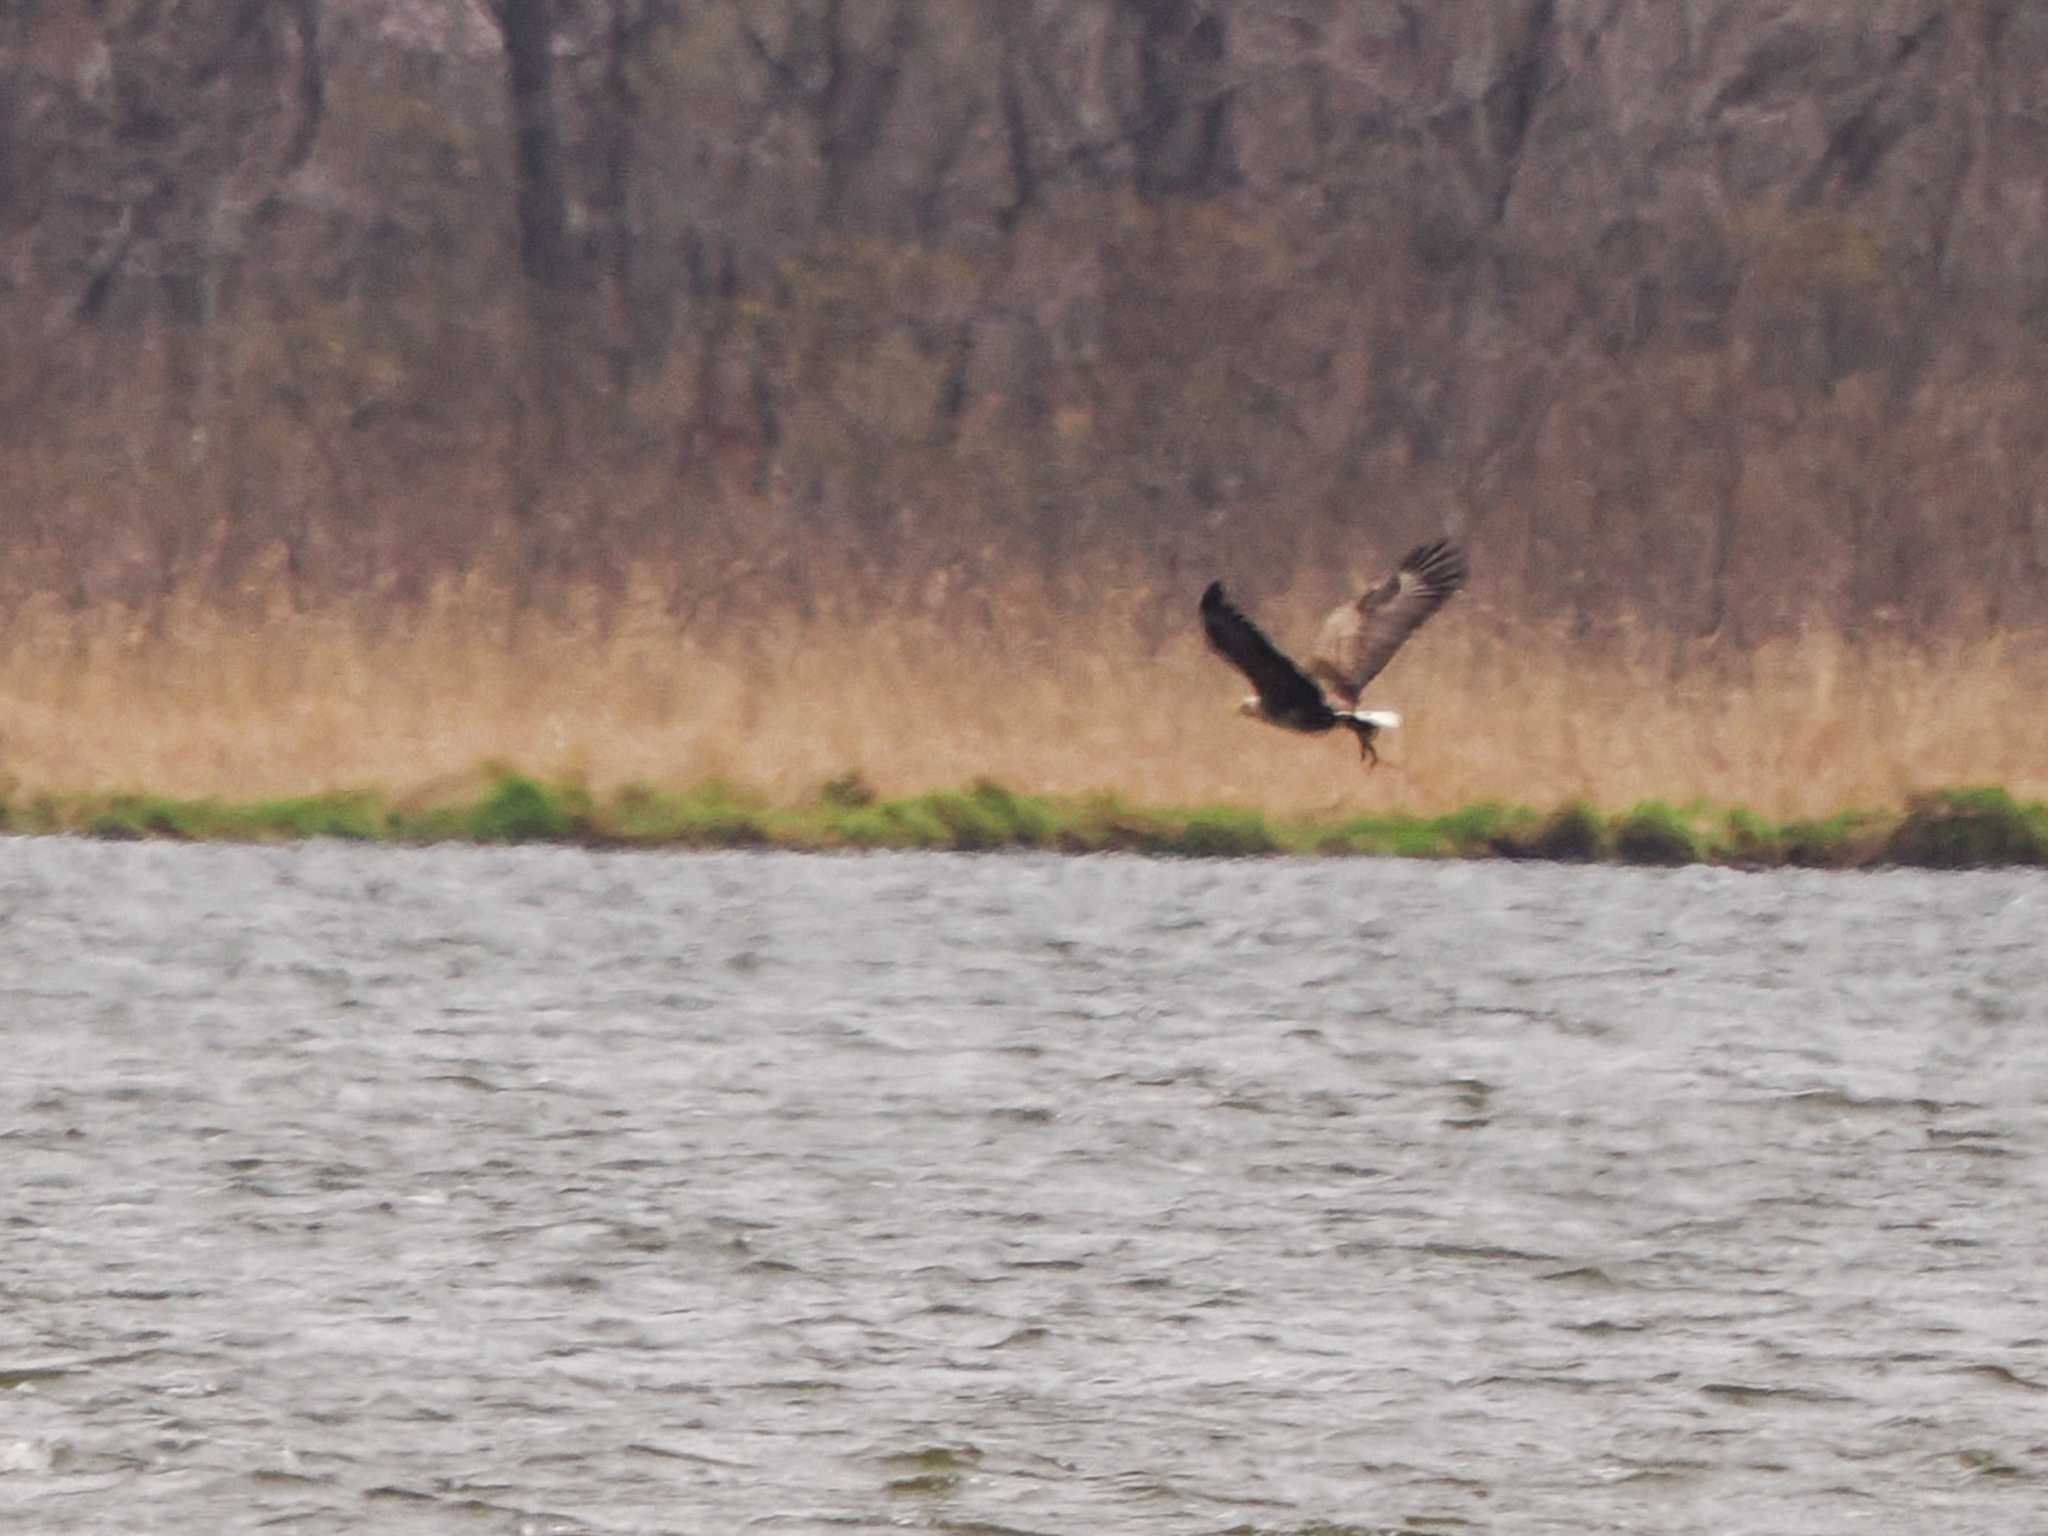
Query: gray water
[{"x": 546, "y": 1191}]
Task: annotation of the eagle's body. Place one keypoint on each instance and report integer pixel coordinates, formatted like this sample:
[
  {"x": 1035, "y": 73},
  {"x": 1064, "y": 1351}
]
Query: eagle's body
[{"x": 1357, "y": 641}]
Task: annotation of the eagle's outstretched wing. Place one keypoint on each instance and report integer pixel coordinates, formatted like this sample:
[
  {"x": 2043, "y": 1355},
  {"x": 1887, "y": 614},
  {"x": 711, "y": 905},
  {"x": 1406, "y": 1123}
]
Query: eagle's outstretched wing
[
  {"x": 1360, "y": 638},
  {"x": 1283, "y": 687}
]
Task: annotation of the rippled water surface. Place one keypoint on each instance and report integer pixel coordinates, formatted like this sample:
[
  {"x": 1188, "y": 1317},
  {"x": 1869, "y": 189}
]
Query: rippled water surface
[{"x": 536, "y": 1190}]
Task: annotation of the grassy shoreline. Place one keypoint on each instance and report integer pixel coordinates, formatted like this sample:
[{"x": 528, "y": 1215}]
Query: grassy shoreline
[{"x": 1946, "y": 829}]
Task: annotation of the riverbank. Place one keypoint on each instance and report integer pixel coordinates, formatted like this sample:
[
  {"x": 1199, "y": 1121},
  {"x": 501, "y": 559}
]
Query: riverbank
[
  {"x": 203, "y": 699},
  {"x": 1946, "y": 829}
]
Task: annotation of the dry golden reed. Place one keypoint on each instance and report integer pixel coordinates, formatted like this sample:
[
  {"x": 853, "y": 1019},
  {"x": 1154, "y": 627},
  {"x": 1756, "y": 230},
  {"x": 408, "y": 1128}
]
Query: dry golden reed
[{"x": 255, "y": 700}]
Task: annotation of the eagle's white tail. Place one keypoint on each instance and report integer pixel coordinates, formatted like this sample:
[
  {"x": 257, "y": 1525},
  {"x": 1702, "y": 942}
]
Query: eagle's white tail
[{"x": 1385, "y": 719}]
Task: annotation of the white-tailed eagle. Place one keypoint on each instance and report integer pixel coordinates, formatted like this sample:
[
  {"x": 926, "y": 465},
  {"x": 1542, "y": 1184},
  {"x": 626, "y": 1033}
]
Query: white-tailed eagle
[{"x": 1357, "y": 640}]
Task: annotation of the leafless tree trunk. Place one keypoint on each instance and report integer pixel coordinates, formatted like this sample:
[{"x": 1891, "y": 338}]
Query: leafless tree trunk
[
  {"x": 13, "y": 68},
  {"x": 1723, "y": 620},
  {"x": 630, "y": 25},
  {"x": 538, "y": 431},
  {"x": 312, "y": 87},
  {"x": 1179, "y": 125},
  {"x": 845, "y": 90},
  {"x": 536, "y": 142},
  {"x": 1017, "y": 138}
]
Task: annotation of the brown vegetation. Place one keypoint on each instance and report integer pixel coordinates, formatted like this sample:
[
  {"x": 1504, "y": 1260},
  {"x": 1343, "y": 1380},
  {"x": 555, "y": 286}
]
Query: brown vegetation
[
  {"x": 770, "y": 389},
  {"x": 608, "y": 688}
]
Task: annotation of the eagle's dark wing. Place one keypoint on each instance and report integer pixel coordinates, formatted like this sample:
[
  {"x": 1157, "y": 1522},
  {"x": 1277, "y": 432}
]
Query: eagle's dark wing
[
  {"x": 1360, "y": 638},
  {"x": 1283, "y": 687}
]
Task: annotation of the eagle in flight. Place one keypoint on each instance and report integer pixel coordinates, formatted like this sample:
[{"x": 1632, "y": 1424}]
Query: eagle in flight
[{"x": 1357, "y": 640}]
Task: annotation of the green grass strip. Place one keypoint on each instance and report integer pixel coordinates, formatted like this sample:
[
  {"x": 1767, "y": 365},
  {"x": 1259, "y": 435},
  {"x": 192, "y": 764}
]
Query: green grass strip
[{"x": 1965, "y": 828}]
